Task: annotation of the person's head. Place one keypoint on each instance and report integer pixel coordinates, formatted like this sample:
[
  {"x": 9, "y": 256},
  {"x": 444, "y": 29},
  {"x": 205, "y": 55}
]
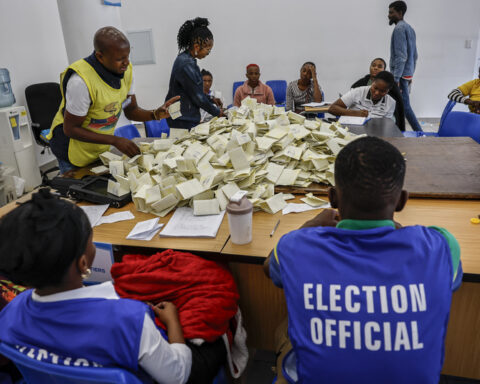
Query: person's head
[
  {"x": 381, "y": 85},
  {"x": 45, "y": 242},
  {"x": 377, "y": 65},
  {"x": 306, "y": 71},
  {"x": 253, "y": 74},
  {"x": 207, "y": 80},
  {"x": 369, "y": 175},
  {"x": 112, "y": 49},
  {"x": 396, "y": 11},
  {"x": 195, "y": 37}
]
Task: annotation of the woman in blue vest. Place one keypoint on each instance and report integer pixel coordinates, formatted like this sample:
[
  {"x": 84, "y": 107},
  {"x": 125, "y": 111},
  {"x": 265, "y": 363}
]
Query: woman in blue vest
[
  {"x": 195, "y": 41},
  {"x": 46, "y": 243}
]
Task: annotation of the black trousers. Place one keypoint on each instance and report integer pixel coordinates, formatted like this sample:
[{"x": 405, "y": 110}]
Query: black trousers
[{"x": 207, "y": 359}]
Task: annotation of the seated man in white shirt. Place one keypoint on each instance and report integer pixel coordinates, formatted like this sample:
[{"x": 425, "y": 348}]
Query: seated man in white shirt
[{"x": 370, "y": 101}]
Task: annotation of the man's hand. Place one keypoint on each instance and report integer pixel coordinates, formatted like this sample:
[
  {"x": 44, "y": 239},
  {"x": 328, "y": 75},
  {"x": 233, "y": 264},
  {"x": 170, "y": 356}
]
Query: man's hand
[
  {"x": 218, "y": 102},
  {"x": 166, "y": 312},
  {"x": 162, "y": 112},
  {"x": 326, "y": 218},
  {"x": 126, "y": 146}
]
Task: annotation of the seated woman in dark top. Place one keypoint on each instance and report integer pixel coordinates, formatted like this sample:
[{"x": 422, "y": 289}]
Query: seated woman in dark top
[
  {"x": 195, "y": 41},
  {"x": 379, "y": 65}
]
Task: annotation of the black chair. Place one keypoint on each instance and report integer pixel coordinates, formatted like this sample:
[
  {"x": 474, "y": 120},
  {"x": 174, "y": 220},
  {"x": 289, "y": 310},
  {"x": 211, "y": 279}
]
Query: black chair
[{"x": 43, "y": 100}]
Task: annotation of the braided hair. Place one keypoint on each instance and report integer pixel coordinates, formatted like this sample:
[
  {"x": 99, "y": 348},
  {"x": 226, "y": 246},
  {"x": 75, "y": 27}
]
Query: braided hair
[
  {"x": 41, "y": 238},
  {"x": 369, "y": 172},
  {"x": 193, "y": 31}
]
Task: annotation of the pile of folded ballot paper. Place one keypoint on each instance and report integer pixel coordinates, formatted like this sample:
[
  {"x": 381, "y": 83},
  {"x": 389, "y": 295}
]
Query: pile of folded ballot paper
[{"x": 256, "y": 148}]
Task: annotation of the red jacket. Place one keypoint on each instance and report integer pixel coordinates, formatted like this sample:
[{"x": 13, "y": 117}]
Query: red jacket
[{"x": 203, "y": 291}]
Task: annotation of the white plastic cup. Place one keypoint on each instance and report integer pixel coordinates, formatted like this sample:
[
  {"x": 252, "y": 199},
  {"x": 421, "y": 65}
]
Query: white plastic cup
[{"x": 240, "y": 221}]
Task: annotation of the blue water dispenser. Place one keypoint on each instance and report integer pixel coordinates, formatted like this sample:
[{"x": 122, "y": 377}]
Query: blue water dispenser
[{"x": 7, "y": 97}]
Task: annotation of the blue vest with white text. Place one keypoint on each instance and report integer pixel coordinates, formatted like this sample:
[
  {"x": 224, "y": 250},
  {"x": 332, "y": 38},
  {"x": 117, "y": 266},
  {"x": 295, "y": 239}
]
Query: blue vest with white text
[
  {"x": 94, "y": 331},
  {"x": 367, "y": 306}
]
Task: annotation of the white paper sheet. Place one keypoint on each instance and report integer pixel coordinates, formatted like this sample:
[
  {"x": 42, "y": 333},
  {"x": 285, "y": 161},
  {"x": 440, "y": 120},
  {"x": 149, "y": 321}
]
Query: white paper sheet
[
  {"x": 297, "y": 208},
  {"x": 94, "y": 212},
  {"x": 353, "y": 120},
  {"x": 184, "y": 223},
  {"x": 145, "y": 230},
  {"x": 315, "y": 105},
  {"x": 115, "y": 217}
]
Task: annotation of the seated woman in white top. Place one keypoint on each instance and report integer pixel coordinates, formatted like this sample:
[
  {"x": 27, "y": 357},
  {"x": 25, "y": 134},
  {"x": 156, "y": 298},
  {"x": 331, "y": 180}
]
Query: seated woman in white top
[
  {"x": 369, "y": 101},
  {"x": 304, "y": 90},
  {"x": 46, "y": 243}
]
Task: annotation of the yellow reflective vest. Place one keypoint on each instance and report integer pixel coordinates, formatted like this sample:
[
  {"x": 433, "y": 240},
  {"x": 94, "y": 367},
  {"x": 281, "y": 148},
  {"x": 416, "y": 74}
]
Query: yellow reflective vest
[{"x": 102, "y": 116}]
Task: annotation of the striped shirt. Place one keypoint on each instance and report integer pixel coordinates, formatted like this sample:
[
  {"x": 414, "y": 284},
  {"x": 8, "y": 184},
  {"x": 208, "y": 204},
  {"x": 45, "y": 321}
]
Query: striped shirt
[{"x": 296, "y": 97}]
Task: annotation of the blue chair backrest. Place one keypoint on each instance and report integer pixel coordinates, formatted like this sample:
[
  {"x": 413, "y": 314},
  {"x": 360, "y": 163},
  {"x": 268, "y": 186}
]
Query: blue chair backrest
[
  {"x": 279, "y": 88},
  {"x": 127, "y": 131},
  {"x": 155, "y": 128},
  {"x": 236, "y": 84},
  {"x": 460, "y": 124},
  {"x": 38, "y": 372},
  {"x": 447, "y": 110}
]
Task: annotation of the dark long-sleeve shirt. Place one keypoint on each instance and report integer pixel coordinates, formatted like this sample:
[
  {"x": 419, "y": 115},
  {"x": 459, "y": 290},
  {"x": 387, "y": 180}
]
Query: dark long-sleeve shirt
[{"x": 186, "y": 81}]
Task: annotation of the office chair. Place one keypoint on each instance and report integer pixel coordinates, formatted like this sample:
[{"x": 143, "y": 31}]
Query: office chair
[
  {"x": 448, "y": 108},
  {"x": 127, "y": 131},
  {"x": 155, "y": 128},
  {"x": 279, "y": 88},
  {"x": 460, "y": 124},
  {"x": 43, "y": 101},
  {"x": 38, "y": 372}
]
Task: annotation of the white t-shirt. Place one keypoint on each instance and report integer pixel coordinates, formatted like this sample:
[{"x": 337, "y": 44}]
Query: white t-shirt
[
  {"x": 360, "y": 99},
  {"x": 166, "y": 363},
  {"x": 78, "y": 98}
]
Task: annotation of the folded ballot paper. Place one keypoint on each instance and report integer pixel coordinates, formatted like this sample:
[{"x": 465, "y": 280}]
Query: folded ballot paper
[
  {"x": 174, "y": 110},
  {"x": 145, "y": 230}
]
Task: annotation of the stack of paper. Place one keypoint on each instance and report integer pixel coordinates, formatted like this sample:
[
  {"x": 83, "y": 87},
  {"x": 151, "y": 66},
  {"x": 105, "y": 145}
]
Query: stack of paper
[{"x": 184, "y": 223}]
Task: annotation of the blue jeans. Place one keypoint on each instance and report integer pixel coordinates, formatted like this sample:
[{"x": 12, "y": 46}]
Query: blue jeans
[
  {"x": 409, "y": 114},
  {"x": 65, "y": 166}
]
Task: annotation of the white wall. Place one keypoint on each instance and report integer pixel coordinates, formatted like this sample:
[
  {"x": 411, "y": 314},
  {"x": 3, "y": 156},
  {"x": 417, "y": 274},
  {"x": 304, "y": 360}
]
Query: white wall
[
  {"x": 340, "y": 37},
  {"x": 31, "y": 47}
]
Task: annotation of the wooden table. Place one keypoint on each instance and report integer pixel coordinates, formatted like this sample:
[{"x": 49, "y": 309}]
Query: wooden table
[
  {"x": 437, "y": 167},
  {"x": 116, "y": 233},
  {"x": 322, "y": 109}
]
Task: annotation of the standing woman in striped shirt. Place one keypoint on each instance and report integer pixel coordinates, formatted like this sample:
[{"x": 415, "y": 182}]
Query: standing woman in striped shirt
[{"x": 304, "y": 90}]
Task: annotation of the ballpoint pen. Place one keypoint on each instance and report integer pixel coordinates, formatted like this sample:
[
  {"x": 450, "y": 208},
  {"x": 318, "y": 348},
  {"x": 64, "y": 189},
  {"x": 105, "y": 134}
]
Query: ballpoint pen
[{"x": 274, "y": 228}]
